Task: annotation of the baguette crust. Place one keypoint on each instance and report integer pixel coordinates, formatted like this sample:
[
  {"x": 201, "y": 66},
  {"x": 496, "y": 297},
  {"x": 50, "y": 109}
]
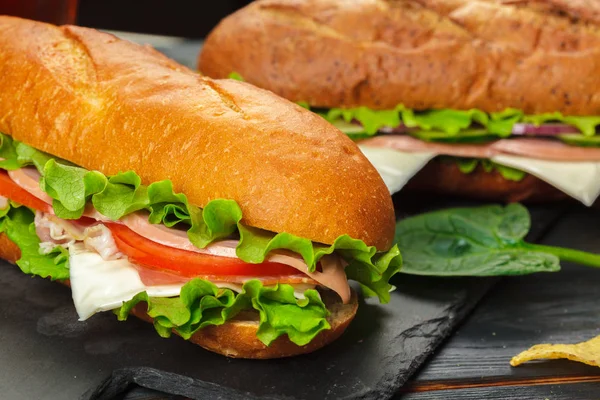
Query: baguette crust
[
  {"x": 534, "y": 55},
  {"x": 110, "y": 105},
  {"x": 446, "y": 178},
  {"x": 237, "y": 338}
]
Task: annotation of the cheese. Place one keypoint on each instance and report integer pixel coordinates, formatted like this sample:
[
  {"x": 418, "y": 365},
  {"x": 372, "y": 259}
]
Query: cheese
[
  {"x": 396, "y": 167},
  {"x": 580, "y": 180},
  {"x": 100, "y": 285}
]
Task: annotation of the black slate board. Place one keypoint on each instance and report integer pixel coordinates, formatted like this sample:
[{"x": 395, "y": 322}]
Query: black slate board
[{"x": 46, "y": 353}]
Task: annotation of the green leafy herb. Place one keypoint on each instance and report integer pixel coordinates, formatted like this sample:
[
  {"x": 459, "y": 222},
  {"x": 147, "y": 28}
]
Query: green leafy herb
[
  {"x": 236, "y": 76},
  {"x": 468, "y": 165},
  {"x": 451, "y": 125},
  {"x": 482, "y": 241},
  {"x": 202, "y": 304},
  {"x": 17, "y": 224},
  {"x": 576, "y": 139}
]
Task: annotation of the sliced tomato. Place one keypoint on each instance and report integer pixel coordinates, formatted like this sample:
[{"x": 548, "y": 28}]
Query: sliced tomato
[
  {"x": 187, "y": 263},
  {"x": 14, "y": 192}
]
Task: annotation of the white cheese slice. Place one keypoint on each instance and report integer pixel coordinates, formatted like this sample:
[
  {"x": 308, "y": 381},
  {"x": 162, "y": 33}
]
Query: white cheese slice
[
  {"x": 580, "y": 180},
  {"x": 98, "y": 285},
  {"x": 396, "y": 167}
]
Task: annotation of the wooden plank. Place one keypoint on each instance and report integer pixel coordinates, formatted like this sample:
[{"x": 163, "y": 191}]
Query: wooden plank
[
  {"x": 544, "y": 392},
  {"x": 522, "y": 311}
]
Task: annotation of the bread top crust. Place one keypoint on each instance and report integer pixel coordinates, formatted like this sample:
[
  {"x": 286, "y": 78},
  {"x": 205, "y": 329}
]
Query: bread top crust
[
  {"x": 110, "y": 105},
  {"x": 537, "y": 56}
]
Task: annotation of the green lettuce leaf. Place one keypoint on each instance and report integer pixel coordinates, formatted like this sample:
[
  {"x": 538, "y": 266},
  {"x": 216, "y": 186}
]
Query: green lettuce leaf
[
  {"x": 72, "y": 187},
  {"x": 236, "y": 76},
  {"x": 468, "y": 165},
  {"x": 17, "y": 224},
  {"x": 449, "y": 121},
  {"x": 449, "y": 124},
  {"x": 576, "y": 139},
  {"x": 202, "y": 304},
  {"x": 368, "y": 268}
]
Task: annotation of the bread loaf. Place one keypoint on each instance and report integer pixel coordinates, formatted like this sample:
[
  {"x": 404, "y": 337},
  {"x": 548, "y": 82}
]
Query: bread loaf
[
  {"x": 110, "y": 105},
  {"x": 534, "y": 55}
]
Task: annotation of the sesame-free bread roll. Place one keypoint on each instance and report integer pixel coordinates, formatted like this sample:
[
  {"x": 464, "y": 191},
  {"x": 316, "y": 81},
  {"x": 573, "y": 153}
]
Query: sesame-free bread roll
[
  {"x": 534, "y": 55},
  {"x": 110, "y": 105}
]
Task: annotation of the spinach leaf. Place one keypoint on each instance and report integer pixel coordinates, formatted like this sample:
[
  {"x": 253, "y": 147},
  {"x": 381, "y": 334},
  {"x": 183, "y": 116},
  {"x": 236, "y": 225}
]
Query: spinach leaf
[{"x": 480, "y": 241}]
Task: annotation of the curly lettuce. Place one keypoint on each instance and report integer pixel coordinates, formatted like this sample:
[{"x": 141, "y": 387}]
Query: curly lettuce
[
  {"x": 468, "y": 165},
  {"x": 449, "y": 124},
  {"x": 17, "y": 223},
  {"x": 202, "y": 304},
  {"x": 72, "y": 188}
]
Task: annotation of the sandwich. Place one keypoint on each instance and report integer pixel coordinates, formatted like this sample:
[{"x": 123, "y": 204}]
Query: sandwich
[
  {"x": 215, "y": 209},
  {"x": 492, "y": 99}
]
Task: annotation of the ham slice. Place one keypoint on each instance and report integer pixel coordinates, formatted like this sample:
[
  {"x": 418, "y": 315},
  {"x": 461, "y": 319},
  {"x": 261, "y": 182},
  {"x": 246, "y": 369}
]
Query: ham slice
[
  {"x": 28, "y": 178},
  {"x": 542, "y": 149}
]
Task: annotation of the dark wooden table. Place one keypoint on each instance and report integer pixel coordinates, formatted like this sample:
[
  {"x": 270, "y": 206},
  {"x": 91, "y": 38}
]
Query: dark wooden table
[{"x": 519, "y": 312}]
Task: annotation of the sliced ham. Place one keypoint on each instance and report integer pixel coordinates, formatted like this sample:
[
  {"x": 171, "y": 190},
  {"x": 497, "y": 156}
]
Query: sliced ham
[
  {"x": 155, "y": 277},
  {"x": 546, "y": 150},
  {"x": 411, "y": 145},
  {"x": 542, "y": 149},
  {"x": 177, "y": 238},
  {"x": 28, "y": 178}
]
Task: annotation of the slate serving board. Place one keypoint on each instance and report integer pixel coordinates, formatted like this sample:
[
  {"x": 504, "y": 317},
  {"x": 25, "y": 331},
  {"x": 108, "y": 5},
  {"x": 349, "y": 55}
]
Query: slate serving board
[{"x": 45, "y": 353}]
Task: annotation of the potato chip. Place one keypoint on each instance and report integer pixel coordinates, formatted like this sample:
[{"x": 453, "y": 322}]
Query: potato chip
[{"x": 586, "y": 352}]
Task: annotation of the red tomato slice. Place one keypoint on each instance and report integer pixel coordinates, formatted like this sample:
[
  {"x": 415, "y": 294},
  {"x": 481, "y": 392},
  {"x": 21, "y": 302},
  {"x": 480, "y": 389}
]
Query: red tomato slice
[
  {"x": 14, "y": 192},
  {"x": 190, "y": 264}
]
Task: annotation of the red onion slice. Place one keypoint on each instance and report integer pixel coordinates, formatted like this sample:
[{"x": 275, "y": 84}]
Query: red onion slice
[{"x": 543, "y": 130}]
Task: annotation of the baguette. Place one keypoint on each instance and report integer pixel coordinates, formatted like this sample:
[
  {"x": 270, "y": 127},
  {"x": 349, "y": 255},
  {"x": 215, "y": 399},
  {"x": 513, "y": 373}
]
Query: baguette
[
  {"x": 140, "y": 111},
  {"x": 537, "y": 56},
  {"x": 237, "y": 337}
]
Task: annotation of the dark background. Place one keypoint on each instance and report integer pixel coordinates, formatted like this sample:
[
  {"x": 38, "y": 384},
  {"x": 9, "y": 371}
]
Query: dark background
[{"x": 187, "y": 18}]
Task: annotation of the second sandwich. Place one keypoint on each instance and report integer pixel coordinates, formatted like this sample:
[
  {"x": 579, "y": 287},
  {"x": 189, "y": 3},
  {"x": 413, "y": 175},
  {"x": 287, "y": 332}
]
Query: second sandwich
[{"x": 494, "y": 99}]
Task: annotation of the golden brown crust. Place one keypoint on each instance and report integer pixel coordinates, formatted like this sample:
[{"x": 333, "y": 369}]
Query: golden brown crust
[
  {"x": 237, "y": 338},
  {"x": 111, "y": 105},
  {"x": 538, "y": 56},
  {"x": 445, "y": 178}
]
